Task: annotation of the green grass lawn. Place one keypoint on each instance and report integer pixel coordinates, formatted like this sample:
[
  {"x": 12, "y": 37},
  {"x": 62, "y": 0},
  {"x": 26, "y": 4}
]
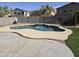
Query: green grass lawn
[{"x": 73, "y": 41}]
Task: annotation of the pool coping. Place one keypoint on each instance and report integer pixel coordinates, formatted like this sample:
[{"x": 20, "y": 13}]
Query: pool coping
[{"x": 31, "y": 33}]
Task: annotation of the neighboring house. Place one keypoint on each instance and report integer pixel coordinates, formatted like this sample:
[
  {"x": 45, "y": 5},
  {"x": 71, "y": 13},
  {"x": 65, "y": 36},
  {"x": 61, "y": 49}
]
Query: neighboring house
[
  {"x": 65, "y": 14},
  {"x": 20, "y": 12}
]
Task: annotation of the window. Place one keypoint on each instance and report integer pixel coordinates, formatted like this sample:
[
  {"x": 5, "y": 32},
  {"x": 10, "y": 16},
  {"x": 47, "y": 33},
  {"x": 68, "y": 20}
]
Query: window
[
  {"x": 65, "y": 10},
  {"x": 71, "y": 10}
]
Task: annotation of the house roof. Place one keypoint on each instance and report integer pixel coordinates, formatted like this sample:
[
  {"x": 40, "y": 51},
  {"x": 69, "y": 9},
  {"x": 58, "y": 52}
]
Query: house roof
[
  {"x": 18, "y": 9},
  {"x": 75, "y": 3}
]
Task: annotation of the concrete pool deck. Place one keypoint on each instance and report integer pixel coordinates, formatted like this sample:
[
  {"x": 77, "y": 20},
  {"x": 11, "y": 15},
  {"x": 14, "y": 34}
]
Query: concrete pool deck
[
  {"x": 13, "y": 45},
  {"x": 31, "y": 33}
]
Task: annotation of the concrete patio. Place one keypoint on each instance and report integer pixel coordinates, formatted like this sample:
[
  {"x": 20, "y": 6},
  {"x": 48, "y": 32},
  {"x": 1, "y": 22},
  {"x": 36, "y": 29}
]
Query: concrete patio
[{"x": 14, "y": 45}]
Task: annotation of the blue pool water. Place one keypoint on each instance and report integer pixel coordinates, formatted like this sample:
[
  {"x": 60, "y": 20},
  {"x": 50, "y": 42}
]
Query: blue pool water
[{"x": 40, "y": 27}]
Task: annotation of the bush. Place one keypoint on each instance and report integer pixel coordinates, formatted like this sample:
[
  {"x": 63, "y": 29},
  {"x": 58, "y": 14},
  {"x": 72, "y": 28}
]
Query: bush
[
  {"x": 1, "y": 15},
  {"x": 35, "y": 13}
]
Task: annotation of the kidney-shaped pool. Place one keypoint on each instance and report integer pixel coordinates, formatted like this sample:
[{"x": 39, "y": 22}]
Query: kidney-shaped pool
[
  {"x": 40, "y": 27},
  {"x": 39, "y": 31}
]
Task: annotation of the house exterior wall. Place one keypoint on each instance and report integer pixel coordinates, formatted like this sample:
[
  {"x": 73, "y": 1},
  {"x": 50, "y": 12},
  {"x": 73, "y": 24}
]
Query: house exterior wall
[
  {"x": 67, "y": 12},
  {"x": 27, "y": 14}
]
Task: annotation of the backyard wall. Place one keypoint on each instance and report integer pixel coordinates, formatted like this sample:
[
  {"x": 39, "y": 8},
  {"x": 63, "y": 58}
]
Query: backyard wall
[
  {"x": 50, "y": 19},
  {"x": 6, "y": 21}
]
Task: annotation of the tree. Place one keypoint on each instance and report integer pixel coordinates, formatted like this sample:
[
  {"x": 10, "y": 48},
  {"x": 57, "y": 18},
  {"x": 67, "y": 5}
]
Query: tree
[
  {"x": 3, "y": 10},
  {"x": 35, "y": 13},
  {"x": 47, "y": 10},
  {"x": 6, "y": 9}
]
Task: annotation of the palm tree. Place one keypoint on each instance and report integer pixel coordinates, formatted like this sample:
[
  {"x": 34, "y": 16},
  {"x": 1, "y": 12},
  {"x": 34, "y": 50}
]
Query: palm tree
[{"x": 46, "y": 10}]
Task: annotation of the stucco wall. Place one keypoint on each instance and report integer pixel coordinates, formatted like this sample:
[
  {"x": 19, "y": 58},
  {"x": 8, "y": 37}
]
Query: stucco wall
[
  {"x": 50, "y": 19},
  {"x": 6, "y": 20},
  {"x": 21, "y": 19}
]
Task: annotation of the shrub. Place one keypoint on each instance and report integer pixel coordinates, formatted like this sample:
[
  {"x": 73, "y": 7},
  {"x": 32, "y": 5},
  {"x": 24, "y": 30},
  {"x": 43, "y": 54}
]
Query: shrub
[{"x": 1, "y": 15}]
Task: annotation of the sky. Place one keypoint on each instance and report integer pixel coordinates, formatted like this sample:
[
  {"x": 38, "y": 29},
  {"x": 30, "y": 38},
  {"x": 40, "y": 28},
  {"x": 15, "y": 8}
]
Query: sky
[{"x": 31, "y": 5}]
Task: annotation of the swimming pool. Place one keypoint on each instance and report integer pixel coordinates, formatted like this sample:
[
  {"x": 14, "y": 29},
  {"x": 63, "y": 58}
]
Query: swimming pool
[
  {"x": 49, "y": 31},
  {"x": 39, "y": 27}
]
